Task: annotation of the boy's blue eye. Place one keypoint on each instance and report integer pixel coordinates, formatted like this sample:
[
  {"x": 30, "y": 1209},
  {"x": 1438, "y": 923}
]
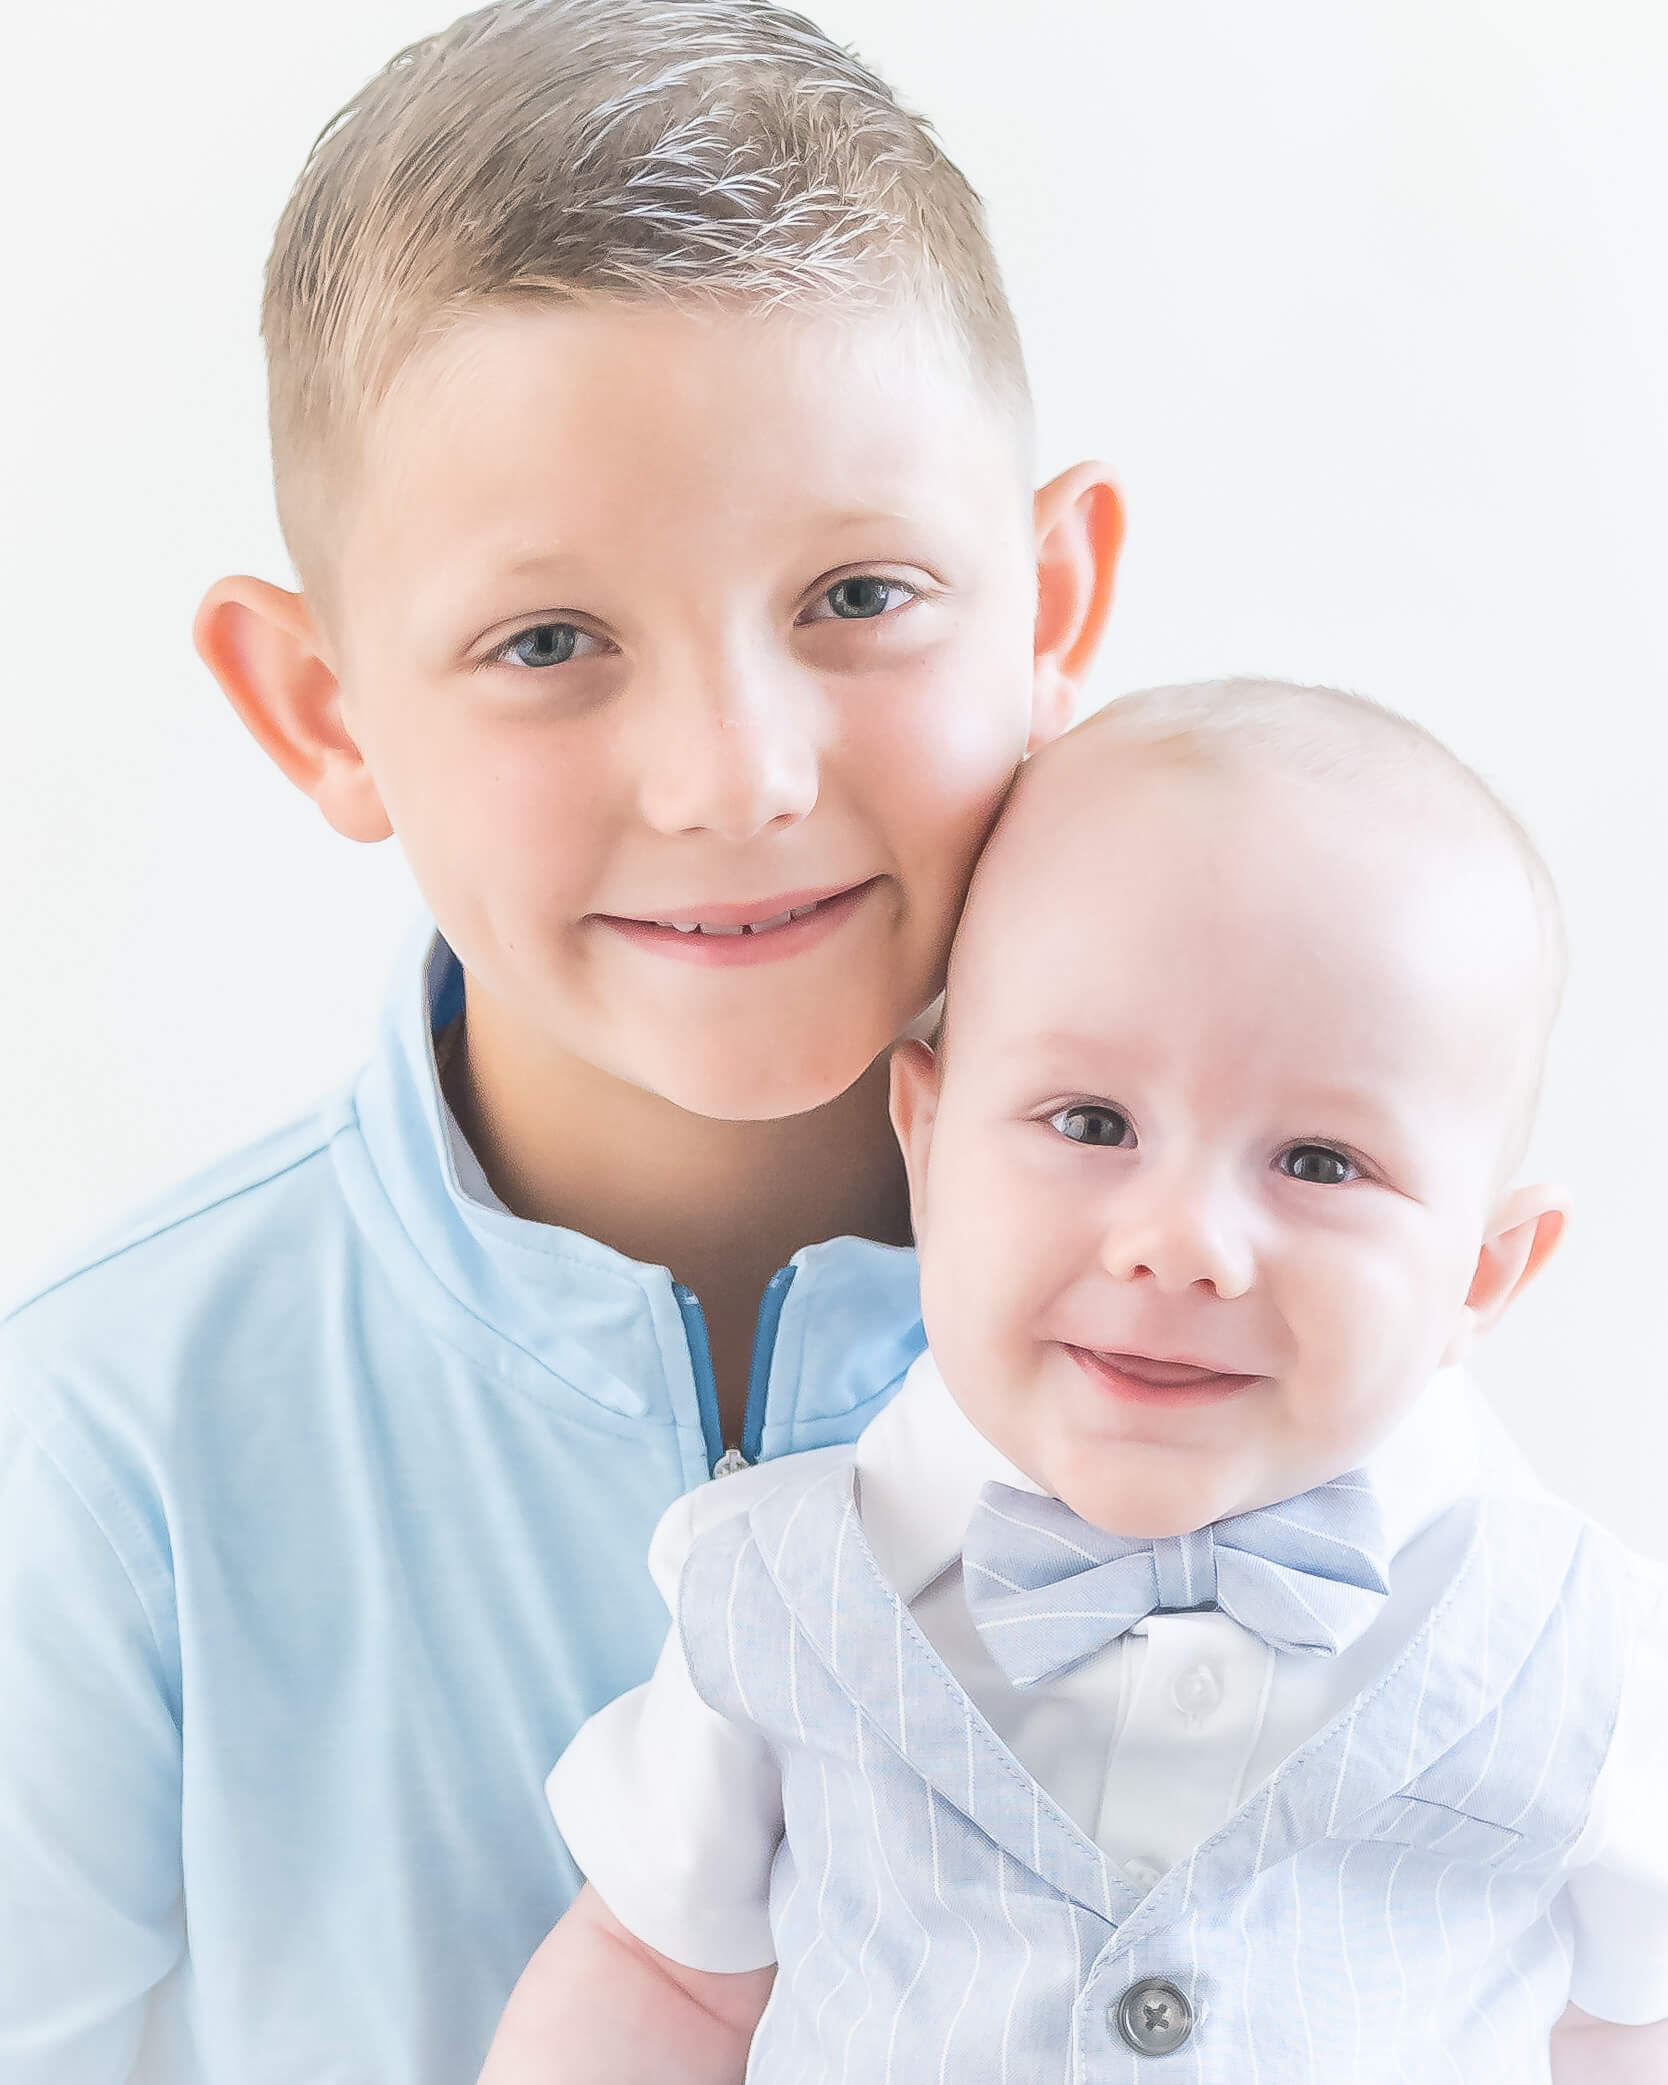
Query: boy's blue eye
[
  {"x": 1318, "y": 1164},
  {"x": 863, "y": 597},
  {"x": 1088, "y": 1122},
  {"x": 545, "y": 644}
]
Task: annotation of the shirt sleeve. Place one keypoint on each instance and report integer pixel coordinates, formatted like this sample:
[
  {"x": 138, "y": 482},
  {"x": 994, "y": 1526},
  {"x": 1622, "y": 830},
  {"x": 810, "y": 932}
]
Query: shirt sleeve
[
  {"x": 672, "y": 1811},
  {"x": 90, "y": 1867},
  {"x": 1617, "y": 1892}
]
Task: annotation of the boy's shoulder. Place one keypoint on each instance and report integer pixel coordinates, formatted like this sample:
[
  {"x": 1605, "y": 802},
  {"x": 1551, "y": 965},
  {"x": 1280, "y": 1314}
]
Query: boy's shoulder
[{"x": 213, "y": 1245}]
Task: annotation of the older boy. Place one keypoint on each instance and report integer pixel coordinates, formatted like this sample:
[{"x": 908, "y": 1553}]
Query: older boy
[
  {"x": 1183, "y": 1666},
  {"x": 650, "y": 436}
]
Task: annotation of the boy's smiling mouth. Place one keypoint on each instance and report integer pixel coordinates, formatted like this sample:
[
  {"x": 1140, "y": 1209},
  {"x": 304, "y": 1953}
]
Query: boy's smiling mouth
[
  {"x": 1144, "y": 1379},
  {"x": 761, "y": 931}
]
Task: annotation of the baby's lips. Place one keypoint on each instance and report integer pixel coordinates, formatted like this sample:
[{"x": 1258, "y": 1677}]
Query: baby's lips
[
  {"x": 1163, "y": 1373},
  {"x": 1166, "y": 1375}
]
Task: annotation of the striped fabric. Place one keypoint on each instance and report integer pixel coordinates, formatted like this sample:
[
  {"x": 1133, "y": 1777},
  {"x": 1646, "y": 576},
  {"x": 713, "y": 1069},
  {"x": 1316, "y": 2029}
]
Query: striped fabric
[
  {"x": 1045, "y": 1588},
  {"x": 1381, "y": 1909}
]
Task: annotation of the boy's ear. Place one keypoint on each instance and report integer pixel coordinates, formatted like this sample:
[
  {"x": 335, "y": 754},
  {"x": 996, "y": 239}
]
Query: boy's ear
[
  {"x": 914, "y": 1108},
  {"x": 1080, "y": 530},
  {"x": 1521, "y": 1239},
  {"x": 263, "y": 647}
]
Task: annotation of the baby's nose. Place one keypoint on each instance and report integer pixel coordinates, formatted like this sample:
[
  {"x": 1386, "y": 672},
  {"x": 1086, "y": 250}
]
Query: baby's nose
[{"x": 1179, "y": 1236}]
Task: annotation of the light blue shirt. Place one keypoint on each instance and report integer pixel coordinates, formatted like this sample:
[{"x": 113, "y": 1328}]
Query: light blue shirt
[{"x": 325, "y": 1494}]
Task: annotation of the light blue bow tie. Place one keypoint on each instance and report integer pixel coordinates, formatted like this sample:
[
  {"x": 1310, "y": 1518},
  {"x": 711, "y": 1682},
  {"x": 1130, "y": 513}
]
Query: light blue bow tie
[{"x": 1045, "y": 1588}]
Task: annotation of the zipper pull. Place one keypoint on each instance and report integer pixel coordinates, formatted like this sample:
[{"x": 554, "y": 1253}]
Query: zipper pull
[{"x": 729, "y": 1462}]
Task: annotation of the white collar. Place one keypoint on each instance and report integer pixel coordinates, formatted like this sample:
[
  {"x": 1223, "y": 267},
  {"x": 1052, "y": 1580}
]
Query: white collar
[
  {"x": 468, "y": 1175},
  {"x": 472, "y": 1182},
  {"x": 922, "y": 1463}
]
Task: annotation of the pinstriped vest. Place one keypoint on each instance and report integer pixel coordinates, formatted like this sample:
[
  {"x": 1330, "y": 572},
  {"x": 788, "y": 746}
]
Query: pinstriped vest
[{"x": 1381, "y": 1909}]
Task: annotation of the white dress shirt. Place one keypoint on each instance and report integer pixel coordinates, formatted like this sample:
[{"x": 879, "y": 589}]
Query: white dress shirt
[{"x": 1149, "y": 1745}]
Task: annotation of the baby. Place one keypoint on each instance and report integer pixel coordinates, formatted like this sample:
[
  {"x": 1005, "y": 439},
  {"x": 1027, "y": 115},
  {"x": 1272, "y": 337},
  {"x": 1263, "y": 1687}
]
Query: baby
[{"x": 1183, "y": 1675}]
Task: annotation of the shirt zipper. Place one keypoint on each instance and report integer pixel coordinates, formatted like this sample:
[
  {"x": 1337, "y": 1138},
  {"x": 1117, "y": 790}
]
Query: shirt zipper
[{"x": 724, "y": 1461}]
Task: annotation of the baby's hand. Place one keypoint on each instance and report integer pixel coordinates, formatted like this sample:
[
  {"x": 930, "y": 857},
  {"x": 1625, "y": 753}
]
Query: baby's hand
[{"x": 1586, "y": 2051}]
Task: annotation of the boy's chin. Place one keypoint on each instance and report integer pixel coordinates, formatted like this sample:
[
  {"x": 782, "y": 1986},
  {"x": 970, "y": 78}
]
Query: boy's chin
[{"x": 729, "y": 1089}]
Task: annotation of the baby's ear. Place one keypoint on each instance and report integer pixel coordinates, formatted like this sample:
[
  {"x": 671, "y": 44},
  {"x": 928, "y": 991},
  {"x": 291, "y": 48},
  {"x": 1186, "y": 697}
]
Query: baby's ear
[
  {"x": 1522, "y": 1236},
  {"x": 915, "y": 1073}
]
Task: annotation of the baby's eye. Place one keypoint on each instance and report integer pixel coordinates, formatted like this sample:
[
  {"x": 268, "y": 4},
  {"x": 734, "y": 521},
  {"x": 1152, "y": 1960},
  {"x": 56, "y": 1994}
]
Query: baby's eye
[
  {"x": 545, "y": 644},
  {"x": 1318, "y": 1164},
  {"x": 1088, "y": 1122},
  {"x": 860, "y": 598}
]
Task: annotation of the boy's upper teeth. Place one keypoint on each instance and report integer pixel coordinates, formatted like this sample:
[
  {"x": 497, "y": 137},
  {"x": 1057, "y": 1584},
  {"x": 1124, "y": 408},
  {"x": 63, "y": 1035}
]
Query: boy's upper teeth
[{"x": 757, "y": 926}]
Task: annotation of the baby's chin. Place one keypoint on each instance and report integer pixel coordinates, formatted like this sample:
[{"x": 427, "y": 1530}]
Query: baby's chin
[{"x": 1144, "y": 1500}]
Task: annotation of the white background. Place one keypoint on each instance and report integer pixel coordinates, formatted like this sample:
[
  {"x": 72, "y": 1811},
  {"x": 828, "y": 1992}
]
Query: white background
[{"x": 1365, "y": 299}]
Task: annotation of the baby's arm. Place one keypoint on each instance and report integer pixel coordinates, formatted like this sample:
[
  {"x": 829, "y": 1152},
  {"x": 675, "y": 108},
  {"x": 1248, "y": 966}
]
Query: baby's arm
[
  {"x": 660, "y": 1970},
  {"x": 598, "y": 2006},
  {"x": 1586, "y": 2051}
]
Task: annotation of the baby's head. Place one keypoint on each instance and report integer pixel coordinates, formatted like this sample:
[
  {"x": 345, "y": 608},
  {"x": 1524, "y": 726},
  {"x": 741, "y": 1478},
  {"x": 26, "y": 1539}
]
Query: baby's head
[
  {"x": 1212, "y": 1170},
  {"x": 651, "y": 437}
]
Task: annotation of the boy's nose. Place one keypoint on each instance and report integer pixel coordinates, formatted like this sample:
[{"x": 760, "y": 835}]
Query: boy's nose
[
  {"x": 1179, "y": 1233},
  {"x": 728, "y": 749}
]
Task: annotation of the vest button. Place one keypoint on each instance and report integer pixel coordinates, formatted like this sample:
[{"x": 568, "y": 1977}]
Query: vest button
[{"x": 1153, "y": 2016}]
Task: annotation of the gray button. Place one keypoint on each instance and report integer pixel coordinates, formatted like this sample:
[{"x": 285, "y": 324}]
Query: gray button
[{"x": 1153, "y": 2016}]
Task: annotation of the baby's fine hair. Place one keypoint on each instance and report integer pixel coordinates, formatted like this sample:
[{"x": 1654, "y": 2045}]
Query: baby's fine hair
[
  {"x": 680, "y": 150},
  {"x": 1330, "y": 736}
]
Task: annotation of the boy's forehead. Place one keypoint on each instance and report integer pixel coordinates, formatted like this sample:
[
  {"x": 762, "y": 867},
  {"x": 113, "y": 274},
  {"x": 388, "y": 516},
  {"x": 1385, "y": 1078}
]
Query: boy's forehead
[{"x": 862, "y": 407}]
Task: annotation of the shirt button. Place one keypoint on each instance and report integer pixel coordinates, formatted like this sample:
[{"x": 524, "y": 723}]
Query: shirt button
[
  {"x": 1143, "y": 1871},
  {"x": 1153, "y": 2016},
  {"x": 1196, "y": 1692}
]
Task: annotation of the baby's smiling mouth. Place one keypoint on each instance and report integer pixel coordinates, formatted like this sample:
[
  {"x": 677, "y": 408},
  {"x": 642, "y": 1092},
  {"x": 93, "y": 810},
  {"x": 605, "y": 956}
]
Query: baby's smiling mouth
[{"x": 1146, "y": 1380}]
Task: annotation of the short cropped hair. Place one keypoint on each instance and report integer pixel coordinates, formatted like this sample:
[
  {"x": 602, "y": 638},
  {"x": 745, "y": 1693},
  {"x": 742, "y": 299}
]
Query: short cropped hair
[{"x": 680, "y": 150}]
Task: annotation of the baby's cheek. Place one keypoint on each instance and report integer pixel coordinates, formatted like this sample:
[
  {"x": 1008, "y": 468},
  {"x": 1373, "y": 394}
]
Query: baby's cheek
[{"x": 1371, "y": 1332}]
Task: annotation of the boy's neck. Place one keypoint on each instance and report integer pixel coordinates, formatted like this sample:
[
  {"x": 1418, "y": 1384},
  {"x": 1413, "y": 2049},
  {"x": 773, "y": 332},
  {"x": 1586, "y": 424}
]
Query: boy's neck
[{"x": 722, "y": 1204}]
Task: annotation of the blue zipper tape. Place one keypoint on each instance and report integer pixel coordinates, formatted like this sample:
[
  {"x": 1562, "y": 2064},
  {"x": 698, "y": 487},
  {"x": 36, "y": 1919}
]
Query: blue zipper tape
[
  {"x": 700, "y": 1365},
  {"x": 758, "y": 1367}
]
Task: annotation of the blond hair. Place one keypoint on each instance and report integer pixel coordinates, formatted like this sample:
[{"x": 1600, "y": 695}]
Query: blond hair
[{"x": 637, "y": 149}]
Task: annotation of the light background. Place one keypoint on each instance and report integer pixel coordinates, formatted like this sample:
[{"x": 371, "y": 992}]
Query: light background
[{"x": 1365, "y": 299}]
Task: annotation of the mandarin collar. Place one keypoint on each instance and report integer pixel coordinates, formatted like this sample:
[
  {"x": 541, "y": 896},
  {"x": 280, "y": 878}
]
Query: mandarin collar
[{"x": 557, "y": 1310}]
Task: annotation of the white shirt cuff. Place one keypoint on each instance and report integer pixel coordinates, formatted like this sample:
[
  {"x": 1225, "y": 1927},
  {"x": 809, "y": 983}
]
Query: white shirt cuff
[{"x": 674, "y": 1814}]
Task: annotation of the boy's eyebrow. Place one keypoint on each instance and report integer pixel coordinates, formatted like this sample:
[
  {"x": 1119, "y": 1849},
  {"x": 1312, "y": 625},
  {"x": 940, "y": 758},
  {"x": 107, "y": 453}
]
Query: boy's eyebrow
[
  {"x": 830, "y": 520},
  {"x": 532, "y": 566},
  {"x": 538, "y": 564}
]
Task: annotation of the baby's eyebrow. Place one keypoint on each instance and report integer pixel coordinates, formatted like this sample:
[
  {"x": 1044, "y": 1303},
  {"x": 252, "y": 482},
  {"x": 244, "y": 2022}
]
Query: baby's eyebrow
[
  {"x": 1314, "y": 1110},
  {"x": 1060, "y": 1048}
]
